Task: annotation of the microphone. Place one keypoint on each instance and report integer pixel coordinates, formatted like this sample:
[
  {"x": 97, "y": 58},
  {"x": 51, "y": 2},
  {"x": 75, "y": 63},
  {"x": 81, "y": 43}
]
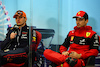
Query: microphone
[{"x": 15, "y": 28}]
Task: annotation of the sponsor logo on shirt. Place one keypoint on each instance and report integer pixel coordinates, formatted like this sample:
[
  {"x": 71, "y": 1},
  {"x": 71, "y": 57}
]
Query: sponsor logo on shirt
[
  {"x": 72, "y": 37},
  {"x": 24, "y": 35},
  {"x": 88, "y": 34}
]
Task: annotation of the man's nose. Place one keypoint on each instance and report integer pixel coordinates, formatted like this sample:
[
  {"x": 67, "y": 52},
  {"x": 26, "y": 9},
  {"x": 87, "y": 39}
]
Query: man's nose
[
  {"x": 77, "y": 21},
  {"x": 18, "y": 18}
]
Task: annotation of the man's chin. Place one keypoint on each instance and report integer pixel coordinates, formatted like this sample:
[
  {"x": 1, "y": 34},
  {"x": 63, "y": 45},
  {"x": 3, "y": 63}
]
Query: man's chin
[
  {"x": 18, "y": 24},
  {"x": 78, "y": 26}
]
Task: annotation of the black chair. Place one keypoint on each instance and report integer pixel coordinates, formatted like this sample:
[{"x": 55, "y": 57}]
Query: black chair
[
  {"x": 46, "y": 34},
  {"x": 90, "y": 61}
]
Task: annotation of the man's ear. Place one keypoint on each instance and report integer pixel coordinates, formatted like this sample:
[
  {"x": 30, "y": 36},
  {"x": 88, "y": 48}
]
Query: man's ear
[
  {"x": 87, "y": 21},
  {"x": 25, "y": 18}
]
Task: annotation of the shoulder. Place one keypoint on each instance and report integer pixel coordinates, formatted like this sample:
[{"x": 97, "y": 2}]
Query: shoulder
[
  {"x": 71, "y": 32},
  {"x": 90, "y": 33},
  {"x": 10, "y": 29}
]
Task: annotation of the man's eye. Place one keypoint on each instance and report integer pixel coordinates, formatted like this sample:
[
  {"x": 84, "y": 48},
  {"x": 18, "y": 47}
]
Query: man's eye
[
  {"x": 15, "y": 17},
  {"x": 20, "y": 17}
]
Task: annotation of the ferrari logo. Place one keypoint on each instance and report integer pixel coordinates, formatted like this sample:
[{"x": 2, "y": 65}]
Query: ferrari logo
[
  {"x": 78, "y": 13},
  {"x": 72, "y": 37},
  {"x": 88, "y": 34}
]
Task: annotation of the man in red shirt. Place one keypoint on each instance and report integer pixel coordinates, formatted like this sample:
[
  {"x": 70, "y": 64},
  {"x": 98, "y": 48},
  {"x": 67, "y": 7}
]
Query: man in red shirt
[{"x": 82, "y": 43}]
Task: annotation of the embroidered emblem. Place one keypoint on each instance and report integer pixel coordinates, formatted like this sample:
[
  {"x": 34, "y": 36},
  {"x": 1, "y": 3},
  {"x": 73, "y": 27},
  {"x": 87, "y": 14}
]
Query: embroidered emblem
[
  {"x": 78, "y": 13},
  {"x": 82, "y": 41},
  {"x": 72, "y": 37},
  {"x": 24, "y": 35},
  {"x": 23, "y": 32},
  {"x": 88, "y": 34}
]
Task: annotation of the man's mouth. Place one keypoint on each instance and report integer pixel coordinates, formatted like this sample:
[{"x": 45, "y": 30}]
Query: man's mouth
[
  {"x": 18, "y": 22},
  {"x": 78, "y": 24}
]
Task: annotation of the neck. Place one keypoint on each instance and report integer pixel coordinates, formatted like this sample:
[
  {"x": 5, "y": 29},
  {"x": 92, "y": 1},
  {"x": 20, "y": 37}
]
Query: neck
[{"x": 22, "y": 25}]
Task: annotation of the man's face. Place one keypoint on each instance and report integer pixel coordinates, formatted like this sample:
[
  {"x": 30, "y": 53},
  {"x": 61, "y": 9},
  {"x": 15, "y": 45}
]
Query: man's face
[
  {"x": 21, "y": 21},
  {"x": 81, "y": 22}
]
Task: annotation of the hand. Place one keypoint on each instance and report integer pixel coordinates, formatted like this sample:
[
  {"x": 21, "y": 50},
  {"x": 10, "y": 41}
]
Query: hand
[
  {"x": 13, "y": 35},
  {"x": 75, "y": 55},
  {"x": 66, "y": 53}
]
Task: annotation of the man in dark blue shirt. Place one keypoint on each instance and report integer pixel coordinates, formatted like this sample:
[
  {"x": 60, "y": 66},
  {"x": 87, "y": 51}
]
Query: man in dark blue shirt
[{"x": 15, "y": 46}]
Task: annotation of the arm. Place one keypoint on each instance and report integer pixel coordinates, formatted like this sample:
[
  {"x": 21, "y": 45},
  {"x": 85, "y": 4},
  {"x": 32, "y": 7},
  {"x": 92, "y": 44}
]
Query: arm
[
  {"x": 9, "y": 37},
  {"x": 6, "y": 41},
  {"x": 94, "y": 41},
  {"x": 65, "y": 45}
]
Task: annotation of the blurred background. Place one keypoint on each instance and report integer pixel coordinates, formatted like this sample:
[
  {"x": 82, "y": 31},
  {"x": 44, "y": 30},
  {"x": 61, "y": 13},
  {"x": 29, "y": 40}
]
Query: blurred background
[{"x": 49, "y": 15}]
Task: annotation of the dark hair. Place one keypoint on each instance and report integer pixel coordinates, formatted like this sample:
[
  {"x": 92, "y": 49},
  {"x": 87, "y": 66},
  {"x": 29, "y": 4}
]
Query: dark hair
[{"x": 85, "y": 16}]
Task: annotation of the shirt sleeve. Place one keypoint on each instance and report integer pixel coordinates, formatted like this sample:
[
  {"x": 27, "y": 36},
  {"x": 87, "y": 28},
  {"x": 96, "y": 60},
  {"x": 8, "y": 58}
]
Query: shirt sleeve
[
  {"x": 94, "y": 45},
  {"x": 65, "y": 45},
  {"x": 6, "y": 40}
]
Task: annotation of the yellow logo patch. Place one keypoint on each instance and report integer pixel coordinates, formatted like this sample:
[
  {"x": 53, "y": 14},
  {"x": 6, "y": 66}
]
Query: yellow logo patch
[
  {"x": 88, "y": 34},
  {"x": 78, "y": 13},
  {"x": 72, "y": 37},
  {"x": 34, "y": 39}
]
